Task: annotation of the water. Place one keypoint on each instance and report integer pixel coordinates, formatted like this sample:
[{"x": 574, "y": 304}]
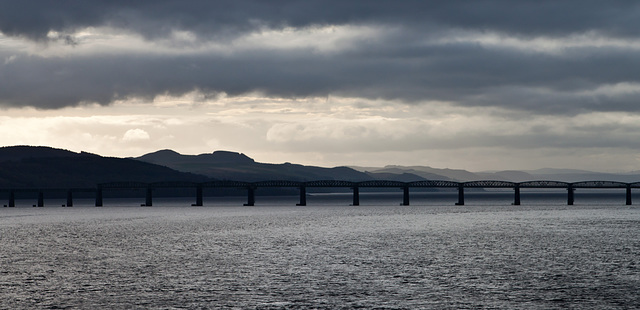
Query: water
[{"x": 327, "y": 255}]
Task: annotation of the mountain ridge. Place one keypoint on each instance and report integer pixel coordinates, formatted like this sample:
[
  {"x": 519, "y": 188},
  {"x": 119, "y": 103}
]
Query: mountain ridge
[
  {"x": 554, "y": 174},
  {"x": 42, "y": 166},
  {"x": 297, "y": 172},
  {"x": 47, "y": 167},
  {"x": 237, "y": 166}
]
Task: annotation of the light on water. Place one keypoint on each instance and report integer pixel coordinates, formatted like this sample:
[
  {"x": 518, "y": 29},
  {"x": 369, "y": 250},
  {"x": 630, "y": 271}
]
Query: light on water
[{"x": 327, "y": 255}]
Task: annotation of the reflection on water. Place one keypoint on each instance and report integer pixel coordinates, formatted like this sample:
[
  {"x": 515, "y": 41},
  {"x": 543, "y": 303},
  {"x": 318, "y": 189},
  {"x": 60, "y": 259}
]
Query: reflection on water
[{"x": 328, "y": 255}]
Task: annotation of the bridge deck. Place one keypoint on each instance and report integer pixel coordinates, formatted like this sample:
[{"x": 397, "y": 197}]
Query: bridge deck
[{"x": 302, "y": 185}]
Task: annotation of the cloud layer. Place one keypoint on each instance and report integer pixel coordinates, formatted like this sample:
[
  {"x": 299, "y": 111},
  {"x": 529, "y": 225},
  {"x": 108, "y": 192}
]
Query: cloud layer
[
  {"x": 231, "y": 18},
  {"x": 549, "y": 57}
]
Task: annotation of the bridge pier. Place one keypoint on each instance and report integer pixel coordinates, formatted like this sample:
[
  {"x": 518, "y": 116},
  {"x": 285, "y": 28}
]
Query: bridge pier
[
  {"x": 99, "y": 196},
  {"x": 629, "y": 195},
  {"x": 303, "y": 196},
  {"x": 148, "y": 201},
  {"x": 251, "y": 197},
  {"x": 516, "y": 199},
  {"x": 198, "y": 196},
  {"x": 12, "y": 199},
  {"x": 460, "y": 195},
  {"x": 405, "y": 196},
  {"x": 40, "y": 199},
  {"x": 69, "y": 198},
  {"x": 570, "y": 195},
  {"x": 356, "y": 196}
]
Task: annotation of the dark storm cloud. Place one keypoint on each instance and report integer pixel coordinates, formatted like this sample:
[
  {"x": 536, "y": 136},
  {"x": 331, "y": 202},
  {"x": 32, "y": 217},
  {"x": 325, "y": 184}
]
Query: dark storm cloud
[
  {"x": 396, "y": 65},
  {"x": 465, "y": 74},
  {"x": 34, "y": 18}
]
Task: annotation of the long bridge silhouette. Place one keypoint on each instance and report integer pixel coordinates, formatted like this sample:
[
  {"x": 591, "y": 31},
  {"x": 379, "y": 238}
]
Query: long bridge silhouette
[{"x": 302, "y": 186}]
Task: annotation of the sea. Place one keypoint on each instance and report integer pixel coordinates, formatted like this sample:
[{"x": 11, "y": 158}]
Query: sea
[{"x": 432, "y": 254}]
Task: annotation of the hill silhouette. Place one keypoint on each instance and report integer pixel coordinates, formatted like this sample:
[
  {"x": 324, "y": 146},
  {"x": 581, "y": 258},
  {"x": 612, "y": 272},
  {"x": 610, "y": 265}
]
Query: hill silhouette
[
  {"x": 46, "y": 167},
  {"x": 236, "y": 166},
  {"x": 458, "y": 175}
]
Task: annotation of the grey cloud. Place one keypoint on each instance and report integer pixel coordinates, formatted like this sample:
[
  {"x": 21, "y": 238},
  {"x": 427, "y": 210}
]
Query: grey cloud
[
  {"x": 464, "y": 74},
  {"x": 152, "y": 18},
  {"x": 395, "y": 66}
]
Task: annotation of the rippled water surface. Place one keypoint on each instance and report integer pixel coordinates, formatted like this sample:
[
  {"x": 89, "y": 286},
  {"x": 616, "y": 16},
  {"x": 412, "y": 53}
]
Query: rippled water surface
[{"x": 324, "y": 256}]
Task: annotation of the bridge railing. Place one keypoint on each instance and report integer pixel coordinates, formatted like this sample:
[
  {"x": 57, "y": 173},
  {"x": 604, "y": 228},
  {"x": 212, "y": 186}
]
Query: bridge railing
[
  {"x": 489, "y": 184},
  {"x": 600, "y": 184},
  {"x": 543, "y": 184}
]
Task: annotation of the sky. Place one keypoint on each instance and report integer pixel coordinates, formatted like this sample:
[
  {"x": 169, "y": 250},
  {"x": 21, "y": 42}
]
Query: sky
[{"x": 477, "y": 85}]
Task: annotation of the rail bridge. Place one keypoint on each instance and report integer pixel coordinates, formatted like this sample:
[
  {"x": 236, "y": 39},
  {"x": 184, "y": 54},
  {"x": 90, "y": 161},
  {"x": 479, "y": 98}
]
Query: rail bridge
[{"x": 251, "y": 187}]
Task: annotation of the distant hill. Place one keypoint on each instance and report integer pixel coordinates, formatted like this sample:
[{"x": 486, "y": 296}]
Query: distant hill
[
  {"x": 401, "y": 177},
  {"x": 26, "y": 166},
  {"x": 226, "y": 165},
  {"x": 170, "y": 157},
  {"x": 588, "y": 176},
  {"x": 507, "y": 175},
  {"x": 458, "y": 175},
  {"x": 39, "y": 166},
  {"x": 424, "y": 172},
  {"x": 395, "y": 170},
  {"x": 550, "y": 171}
]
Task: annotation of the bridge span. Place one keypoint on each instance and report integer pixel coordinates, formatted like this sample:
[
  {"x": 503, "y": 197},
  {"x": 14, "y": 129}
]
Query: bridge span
[{"x": 302, "y": 186}]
